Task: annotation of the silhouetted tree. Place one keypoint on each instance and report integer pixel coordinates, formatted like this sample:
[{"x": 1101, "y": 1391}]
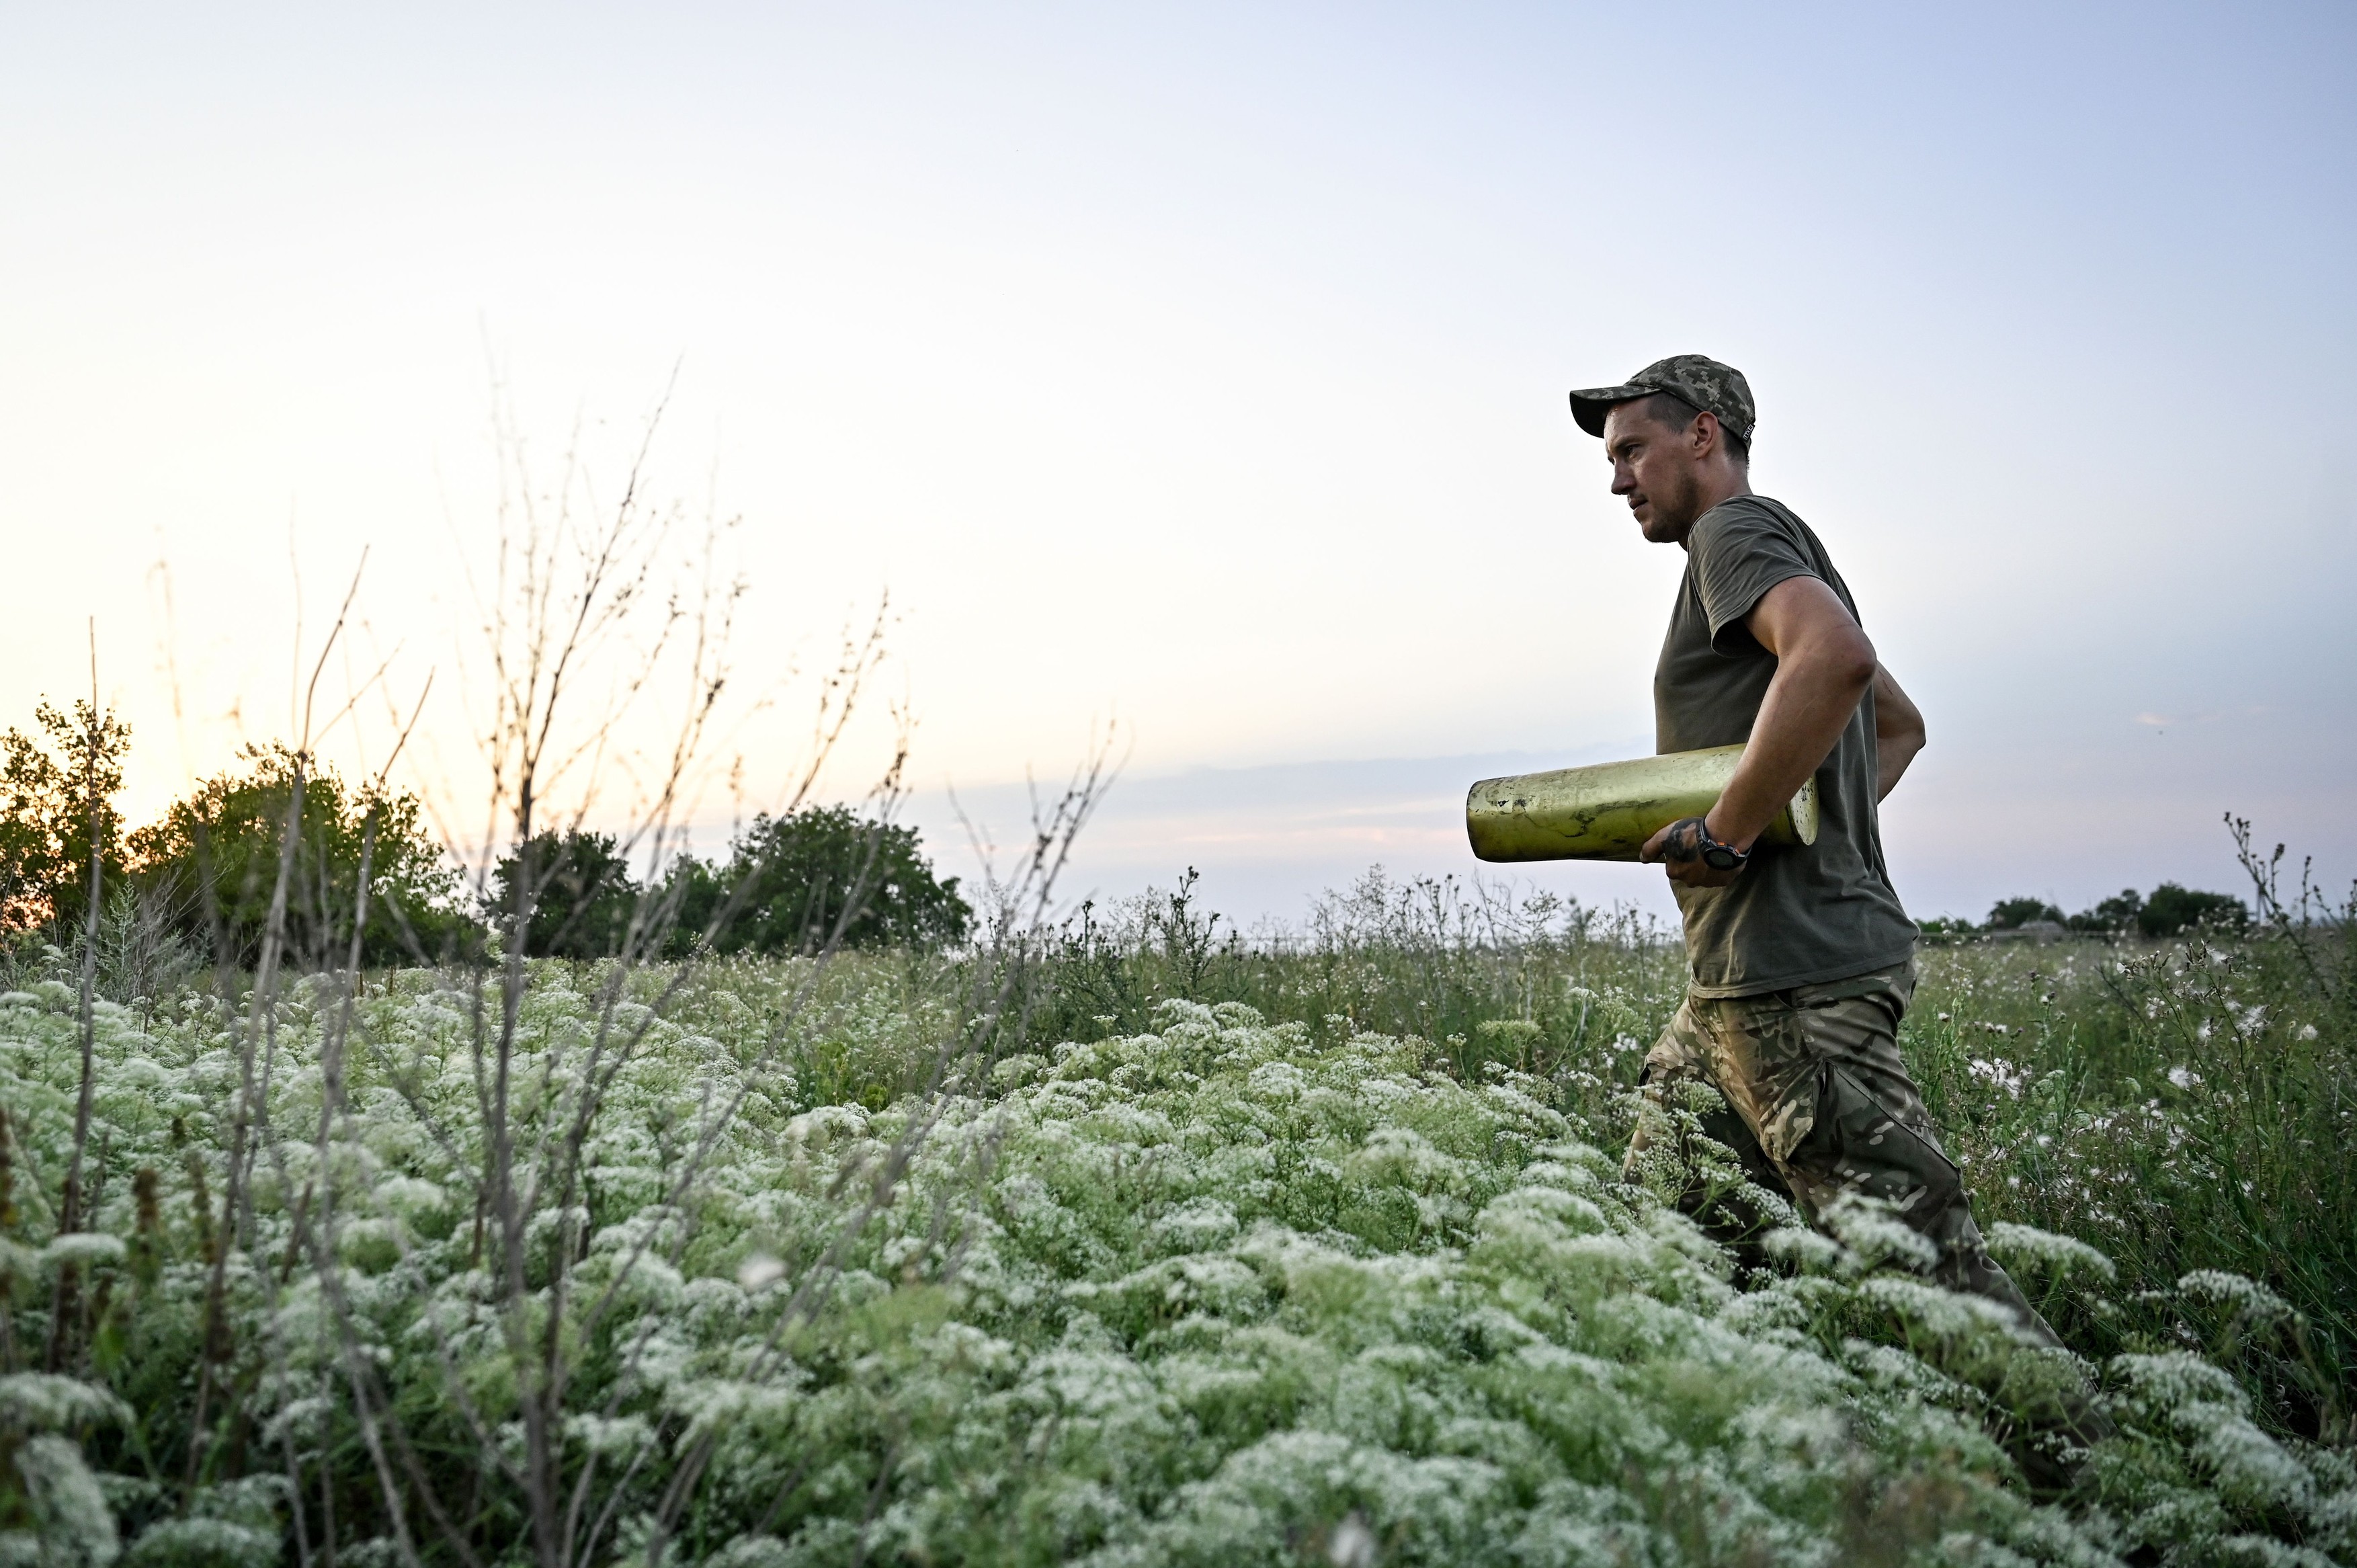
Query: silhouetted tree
[
  {"x": 49, "y": 787},
  {"x": 213, "y": 864},
  {"x": 2172, "y": 910},
  {"x": 2011, "y": 914},
  {"x": 796, "y": 878},
  {"x": 2115, "y": 914},
  {"x": 583, "y": 893}
]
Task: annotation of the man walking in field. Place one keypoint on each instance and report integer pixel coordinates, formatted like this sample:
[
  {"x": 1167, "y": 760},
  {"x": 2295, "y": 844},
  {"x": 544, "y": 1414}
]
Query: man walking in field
[{"x": 1803, "y": 957}]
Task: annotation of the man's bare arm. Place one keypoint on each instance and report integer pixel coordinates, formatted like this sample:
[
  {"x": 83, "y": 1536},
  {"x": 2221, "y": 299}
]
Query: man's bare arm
[
  {"x": 1898, "y": 732},
  {"x": 1823, "y": 666}
]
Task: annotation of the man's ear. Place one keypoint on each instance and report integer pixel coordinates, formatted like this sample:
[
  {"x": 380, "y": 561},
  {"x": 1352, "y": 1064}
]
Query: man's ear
[{"x": 1705, "y": 436}]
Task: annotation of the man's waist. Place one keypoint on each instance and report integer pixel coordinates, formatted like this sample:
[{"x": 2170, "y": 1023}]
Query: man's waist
[{"x": 1825, "y": 980}]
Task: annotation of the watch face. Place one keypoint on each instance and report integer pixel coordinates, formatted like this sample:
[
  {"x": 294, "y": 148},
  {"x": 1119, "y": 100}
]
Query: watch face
[{"x": 1719, "y": 857}]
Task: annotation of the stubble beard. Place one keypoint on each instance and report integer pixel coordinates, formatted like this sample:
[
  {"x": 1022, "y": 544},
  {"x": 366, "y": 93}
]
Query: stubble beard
[{"x": 1674, "y": 509}]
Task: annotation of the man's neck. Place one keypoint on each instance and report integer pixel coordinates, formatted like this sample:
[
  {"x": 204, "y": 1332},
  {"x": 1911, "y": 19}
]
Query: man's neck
[
  {"x": 1716, "y": 487},
  {"x": 1725, "y": 486}
]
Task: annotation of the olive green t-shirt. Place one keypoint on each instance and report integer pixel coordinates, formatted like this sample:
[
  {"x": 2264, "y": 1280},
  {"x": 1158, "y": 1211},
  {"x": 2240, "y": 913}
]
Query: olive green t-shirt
[{"x": 1796, "y": 915}]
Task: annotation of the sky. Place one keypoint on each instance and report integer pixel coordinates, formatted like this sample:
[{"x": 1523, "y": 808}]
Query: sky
[{"x": 1200, "y": 370}]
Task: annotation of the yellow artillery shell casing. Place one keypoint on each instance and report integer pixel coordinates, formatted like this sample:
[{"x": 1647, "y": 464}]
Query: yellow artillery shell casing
[{"x": 1607, "y": 811}]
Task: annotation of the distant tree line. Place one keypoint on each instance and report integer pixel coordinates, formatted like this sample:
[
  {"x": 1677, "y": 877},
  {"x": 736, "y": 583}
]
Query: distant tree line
[
  {"x": 207, "y": 872},
  {"x": 2169, "y": 911},
  {"x": 789, "y": 884}
]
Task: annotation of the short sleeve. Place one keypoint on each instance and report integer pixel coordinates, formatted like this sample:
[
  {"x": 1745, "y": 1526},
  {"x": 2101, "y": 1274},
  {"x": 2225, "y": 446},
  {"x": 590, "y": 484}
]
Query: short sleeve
[{"x": 1736, "y": 554}]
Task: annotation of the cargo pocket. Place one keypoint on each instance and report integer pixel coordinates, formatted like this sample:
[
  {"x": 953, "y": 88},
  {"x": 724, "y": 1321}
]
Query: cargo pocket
[
  {"x": 1771, "y": 1072},
  {"x": 1857, "y": 1146}
]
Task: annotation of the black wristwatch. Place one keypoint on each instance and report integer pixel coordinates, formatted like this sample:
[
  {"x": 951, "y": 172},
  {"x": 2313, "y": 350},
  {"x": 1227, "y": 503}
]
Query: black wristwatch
[{"x": 1690, "y": 840}]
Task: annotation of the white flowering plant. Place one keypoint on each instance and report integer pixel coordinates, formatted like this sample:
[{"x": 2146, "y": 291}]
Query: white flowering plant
[{"x": 1218, "y": 1291}]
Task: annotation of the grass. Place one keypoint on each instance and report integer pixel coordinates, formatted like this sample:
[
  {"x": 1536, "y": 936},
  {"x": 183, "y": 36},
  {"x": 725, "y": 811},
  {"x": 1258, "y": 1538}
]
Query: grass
[
  {"x": 1302, "y": 1248},
  {"x": 2185, "y": 1105}
]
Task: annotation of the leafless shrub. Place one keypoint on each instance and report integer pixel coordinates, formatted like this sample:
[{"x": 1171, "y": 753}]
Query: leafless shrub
[{"x": 590, "y": 622}]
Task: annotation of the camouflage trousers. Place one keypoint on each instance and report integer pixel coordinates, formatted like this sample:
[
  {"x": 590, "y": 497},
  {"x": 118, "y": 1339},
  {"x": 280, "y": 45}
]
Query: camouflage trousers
[{"x": 1819, "y": 1103}]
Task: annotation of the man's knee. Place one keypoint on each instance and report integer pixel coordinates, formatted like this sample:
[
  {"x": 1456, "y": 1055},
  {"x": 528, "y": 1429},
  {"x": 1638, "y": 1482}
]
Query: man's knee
[
  {"x": 1856, "y": 1146},
  {"x": 1859, "y": 1148},
  {"x": 1674, "y": 1061},
  {"x": 1683, "y": 1139},
  {"x": 1681, "y": 1055}
]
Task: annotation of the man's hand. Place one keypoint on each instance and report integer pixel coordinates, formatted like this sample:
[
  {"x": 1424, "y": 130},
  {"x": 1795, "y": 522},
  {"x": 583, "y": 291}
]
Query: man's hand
[{"x": 1680, "y": 852}]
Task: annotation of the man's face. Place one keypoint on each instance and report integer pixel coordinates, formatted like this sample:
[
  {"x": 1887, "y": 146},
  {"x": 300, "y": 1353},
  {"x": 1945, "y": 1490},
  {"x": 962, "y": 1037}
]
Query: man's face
[{"x": 1655, "y": 466}]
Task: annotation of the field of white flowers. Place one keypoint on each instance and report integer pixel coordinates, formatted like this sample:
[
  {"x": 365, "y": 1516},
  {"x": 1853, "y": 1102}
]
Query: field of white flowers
[{"x": 1204, "y": 1289}]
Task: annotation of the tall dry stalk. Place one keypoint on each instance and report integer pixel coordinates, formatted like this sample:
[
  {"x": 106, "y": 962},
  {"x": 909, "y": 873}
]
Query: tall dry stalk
[
  {"x": 65, "y": 1308},
  {"x": 256, "y": 1046},
  {"x": 590, "y": 617}
]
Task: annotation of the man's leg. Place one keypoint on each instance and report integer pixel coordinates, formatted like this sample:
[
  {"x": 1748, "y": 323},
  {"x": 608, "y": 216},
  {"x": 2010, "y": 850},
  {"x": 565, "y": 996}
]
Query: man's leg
[
  {"x": 1872, "y": 1135},
  {"x": 1682, "y": 1056},
  {"x": 1820, "y": 1103},
  {"x": 1816, "y": 1073},
  {"x": 1858, "y": 1126}
]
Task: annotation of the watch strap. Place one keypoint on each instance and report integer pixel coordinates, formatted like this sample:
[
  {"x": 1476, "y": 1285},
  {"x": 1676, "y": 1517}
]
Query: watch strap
[{"x": 1690, "y": 840}]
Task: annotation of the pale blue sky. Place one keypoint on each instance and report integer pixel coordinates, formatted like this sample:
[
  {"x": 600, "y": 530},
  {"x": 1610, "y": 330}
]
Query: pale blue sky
[{"x": 1204, "y": 366}]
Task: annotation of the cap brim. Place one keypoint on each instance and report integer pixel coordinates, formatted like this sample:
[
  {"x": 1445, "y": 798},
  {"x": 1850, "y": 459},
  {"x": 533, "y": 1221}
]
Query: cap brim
[{"x": 1588, "y": 408}]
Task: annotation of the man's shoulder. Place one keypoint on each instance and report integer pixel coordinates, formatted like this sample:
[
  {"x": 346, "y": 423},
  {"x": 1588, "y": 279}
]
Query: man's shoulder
[
  {"x": 1750, "y": 511},
  {"x": 1741, "y": 520},
  {"x": 1744, "y": 535}
]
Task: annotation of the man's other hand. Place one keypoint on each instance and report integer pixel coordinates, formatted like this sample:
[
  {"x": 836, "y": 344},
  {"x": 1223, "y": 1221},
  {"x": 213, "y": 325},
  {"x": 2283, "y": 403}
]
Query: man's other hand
[{"x": 1688, "y": 869}]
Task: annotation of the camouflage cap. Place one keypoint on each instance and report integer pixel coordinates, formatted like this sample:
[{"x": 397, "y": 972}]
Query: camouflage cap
[{"x": 1705, "y": 384}]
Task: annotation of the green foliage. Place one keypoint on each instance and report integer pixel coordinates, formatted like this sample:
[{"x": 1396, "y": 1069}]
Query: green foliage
[
  {"x": 55, "y": 787},
  {"x": 2186, "y": 1108},
  {"x": 53, "y": 1510},
  {"x": 2172, "y": 910},
  {"x": 820, "y": 876},
  {"x": 1533, "y": 982},
  {"x": 582, "y": 895},
  {"x": 824, "y": 875},
  {"x": 213, "y": 862},
  {"x": 1306, "y": 1246},
  {"x": 2183, "y": 1106},
  {"x": 2113, "y": 915},
  {"x": 206, "y": 874},
  {"x": 2009, "y": 914},
  {"x": 1215, "y": 1293}
]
